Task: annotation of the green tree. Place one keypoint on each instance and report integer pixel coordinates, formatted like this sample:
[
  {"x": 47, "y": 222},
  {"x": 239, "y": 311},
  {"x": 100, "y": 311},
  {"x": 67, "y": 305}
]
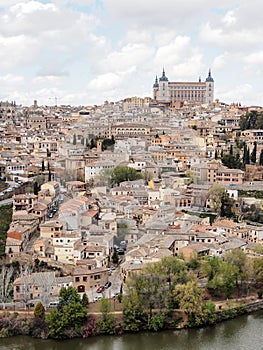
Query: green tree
[
  {"x": 67, "y": 320},
  {"x": 251, "y": 120},
  {"x": 253, "y": 156},
  {"x": 43, "y": 165},
  {"x": 68, "y": 295},
  {"x": 36, "y": 188},
  {"x": 74, "y": 139},
  {"x": 238, "y": 259},
  {"x": 232, "y": 161},
  {"x": 223, "y": 279},
  {"x": 133, "y": 312},
  {"x": 152, "y": 292},
  {"x": 39, "y": 310},
  {"x": 190, "y": 174},
  {"x": 246, "y": 157},
  {"x": 261, "y": 158},
  {"x": 115, "y": 257},
  {"x": 157, "y": 322},
  {"x": 210, "y": 267},
  {"x": 216, "y": 154},
  {"x": 172, "y": 269},
  {"x": 215, "y": 195},
  {"x": 208, "y": 314},
  {"x": 226, "y": 206},
  {"x": 124, "y": 173},
  {"x": 92, "y": 144},
  {"x": 190, "y": 297},
  {"x": 106, "y": 322},
  {"x": 85, "y": 300},
  {"x": 258, "y": 270}
]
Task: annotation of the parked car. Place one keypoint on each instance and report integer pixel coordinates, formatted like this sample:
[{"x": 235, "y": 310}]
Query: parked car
[
  {"x": 31, "y": 304},
  {"x": 100, "y": 289},
  {"x": 120, "y": 251},
  {"x": 97, "y": 298},
  {"x": 107, "y": 284},
  {"x": 53, "y": 304}
]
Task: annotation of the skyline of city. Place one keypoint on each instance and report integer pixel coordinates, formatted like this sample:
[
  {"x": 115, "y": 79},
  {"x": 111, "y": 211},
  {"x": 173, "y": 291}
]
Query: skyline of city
[{"x": 84, "y": 52}]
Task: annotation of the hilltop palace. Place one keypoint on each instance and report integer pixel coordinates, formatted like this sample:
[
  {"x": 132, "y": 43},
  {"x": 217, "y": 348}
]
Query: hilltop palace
[{"x": 174, "y": 93}]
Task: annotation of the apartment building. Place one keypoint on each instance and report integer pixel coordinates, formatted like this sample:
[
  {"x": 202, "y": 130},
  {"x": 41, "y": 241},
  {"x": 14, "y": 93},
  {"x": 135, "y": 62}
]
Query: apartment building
[
  {"x": 218, "y": 173},
  {"x": 131, "y": 130},
  {"x": 87, "y": 276},
  {"x": 215, "y": 172},
  {"x": 251, "y": 136}
]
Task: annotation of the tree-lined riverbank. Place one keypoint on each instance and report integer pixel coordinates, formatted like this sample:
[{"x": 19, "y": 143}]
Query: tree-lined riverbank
[{"x": 241, "y": 333}]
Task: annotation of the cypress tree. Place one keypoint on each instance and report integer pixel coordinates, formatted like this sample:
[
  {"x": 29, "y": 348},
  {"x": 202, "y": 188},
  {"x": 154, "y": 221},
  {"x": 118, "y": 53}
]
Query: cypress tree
[
  {"x": 36, "y": 188},
  {"x": 253, "y": 157},
  {"x": 261, "y": 158},
  {"x": 74, "y": 139}
]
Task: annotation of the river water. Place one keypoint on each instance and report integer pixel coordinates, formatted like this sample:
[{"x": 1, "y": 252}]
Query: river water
[{"x": 242, "y": 333}]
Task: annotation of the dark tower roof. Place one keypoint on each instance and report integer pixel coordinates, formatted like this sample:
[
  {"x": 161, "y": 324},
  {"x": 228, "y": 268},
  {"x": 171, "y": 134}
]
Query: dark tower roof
[
  {"x": 156, "y": 85},
  {"x": 209, "y": 78},
  {"x": 163, "y": 77}
]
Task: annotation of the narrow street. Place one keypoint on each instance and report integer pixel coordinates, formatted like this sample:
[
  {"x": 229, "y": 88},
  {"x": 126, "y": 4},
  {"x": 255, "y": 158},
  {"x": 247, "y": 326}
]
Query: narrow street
[{"x": 113, "y": 290}]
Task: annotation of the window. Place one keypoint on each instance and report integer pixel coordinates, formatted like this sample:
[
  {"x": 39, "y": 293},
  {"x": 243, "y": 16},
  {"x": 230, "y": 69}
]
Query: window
[
  {"x": 84, "y": 278},
  {"x": 76, "y": 279}
]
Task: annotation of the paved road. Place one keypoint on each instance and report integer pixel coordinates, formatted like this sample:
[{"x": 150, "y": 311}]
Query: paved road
[
  {"x": 6, "y": 201},
  {"x": 114, "y": 289}
]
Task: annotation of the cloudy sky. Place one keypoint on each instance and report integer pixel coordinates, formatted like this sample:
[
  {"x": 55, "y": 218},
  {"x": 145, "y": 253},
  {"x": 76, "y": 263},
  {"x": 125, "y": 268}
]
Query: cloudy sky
[{"x": 83, "y": 52}]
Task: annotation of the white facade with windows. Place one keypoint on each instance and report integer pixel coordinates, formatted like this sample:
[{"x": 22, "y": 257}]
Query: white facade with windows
[{"x": 194, "y": 92}]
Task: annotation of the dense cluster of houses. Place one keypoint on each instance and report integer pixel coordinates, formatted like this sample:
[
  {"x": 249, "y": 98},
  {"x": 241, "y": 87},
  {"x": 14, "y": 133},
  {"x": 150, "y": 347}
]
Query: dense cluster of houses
[{"x": 73, "y": 219}]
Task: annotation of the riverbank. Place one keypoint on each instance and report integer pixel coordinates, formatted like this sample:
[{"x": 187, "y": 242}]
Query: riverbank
[
  {"x": 239, "y": 333},
  {"x": 22, "y": 322}
]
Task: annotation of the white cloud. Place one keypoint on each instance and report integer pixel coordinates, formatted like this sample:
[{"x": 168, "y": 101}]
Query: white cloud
[
  {"x": 255, "y": 58},
  {"x": 105, "y": 81},
  {"x": 86, "y": 51},
  {"x": 241, "y": 39},
  {"x": 240, "y": 93},
  {"x": 132, "y": 54},
  {"x": 220, "y": 61},
  {"x": 18, "y": 51},
  {"x": 229, "y": 19}
]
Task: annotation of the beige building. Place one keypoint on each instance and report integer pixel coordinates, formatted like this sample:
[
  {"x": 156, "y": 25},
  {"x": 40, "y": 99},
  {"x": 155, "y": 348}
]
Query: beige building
[
  {"x": 43, "y": 286},
  {"x": 23, "y": 203},
  {"x": 183, "y": 92},
  {"x": 51, "y": 229},
  {"x": 88, "y": 276},
  {"x": 131, "y": 103},
  {"x": 215, "y": 172}
]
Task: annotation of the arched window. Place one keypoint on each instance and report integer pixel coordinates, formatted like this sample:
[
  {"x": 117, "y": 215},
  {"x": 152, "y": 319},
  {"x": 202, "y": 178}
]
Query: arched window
[{"x": 81, "y": 289}]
